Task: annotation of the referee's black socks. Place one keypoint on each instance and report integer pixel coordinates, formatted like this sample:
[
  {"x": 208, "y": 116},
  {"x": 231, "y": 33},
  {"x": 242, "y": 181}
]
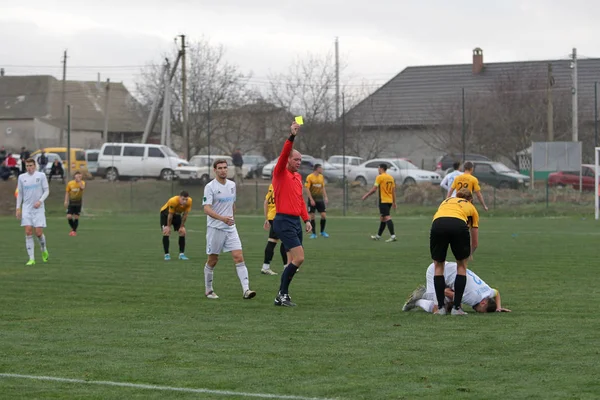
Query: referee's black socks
[
  {"x": 390, "y": 225},
  {"x": 286, "y": 278}
]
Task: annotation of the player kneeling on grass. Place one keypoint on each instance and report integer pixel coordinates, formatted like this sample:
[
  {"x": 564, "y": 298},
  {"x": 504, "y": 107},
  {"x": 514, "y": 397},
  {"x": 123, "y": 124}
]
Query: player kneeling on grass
[
  {"x": 74, "y": 201},
  {"x": 174, "y": 213},
  {"x": 221, "y": 233},
  {"x": 477, "y": 294}
]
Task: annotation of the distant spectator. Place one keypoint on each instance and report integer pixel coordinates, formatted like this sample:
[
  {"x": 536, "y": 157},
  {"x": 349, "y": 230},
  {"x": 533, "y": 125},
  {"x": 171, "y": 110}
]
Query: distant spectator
[
  {"x": 238, "y": 162},
  {"x": 43, "y": 160},
  {"x": 11, "y": 164},
  {"x": 24, "y": 156},
  {"x": 57, "y": 169},
  {"x": 2, "y": 154}
]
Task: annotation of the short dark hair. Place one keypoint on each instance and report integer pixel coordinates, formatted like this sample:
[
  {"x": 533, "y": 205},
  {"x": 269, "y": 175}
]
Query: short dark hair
[
  {"x": 383, "y": 166},
  {"x": 469, "y": 165},
  {"x": 456, "y": 165},
  {"x": 490, "y": 307},
  {"x": 219, "y": 161},
  {"x": 30, "y": 161},
  {"x": 76, "y": 172},
  {"x": 184, "y": 193},
  {"x": 316, "y": 166}
]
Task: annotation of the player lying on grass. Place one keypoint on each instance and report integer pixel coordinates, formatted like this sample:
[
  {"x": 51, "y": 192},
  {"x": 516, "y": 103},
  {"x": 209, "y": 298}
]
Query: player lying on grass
[{"x": 478, "y": 294}]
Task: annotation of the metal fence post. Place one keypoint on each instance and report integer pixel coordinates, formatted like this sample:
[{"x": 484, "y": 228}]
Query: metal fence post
[
  {"x": 257, "y": 198},
  {"x": 547, "y": 194}
]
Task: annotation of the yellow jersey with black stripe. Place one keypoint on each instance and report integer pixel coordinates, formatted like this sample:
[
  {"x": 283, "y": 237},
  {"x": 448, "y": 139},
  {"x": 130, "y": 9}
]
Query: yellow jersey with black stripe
[
  {"x": 455, "y": 207},
  {"x": 173, "y": 206},
  {"x": 75, "y": 191},
  {"x": 315, "y": 184},
  {"x": 386, "y": 185},
  {"x": 270, "y": 198},
  {"x": 466, "y": 181}
]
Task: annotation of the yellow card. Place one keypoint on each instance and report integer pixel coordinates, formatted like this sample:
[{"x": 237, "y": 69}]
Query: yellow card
[{"x": 299, "y": 120}]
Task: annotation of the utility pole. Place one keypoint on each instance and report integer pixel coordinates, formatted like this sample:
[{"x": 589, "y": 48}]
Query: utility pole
[
  {"x": 106, "y": 95},
  {"x": 337, "y": 78},
  {"x": 186, "y": 138},
  {"x": 574, "y": 93},
  {"x": 464, "y": 128},
  {"x": 549, "y": 84},
  {"x": 69, "y": 143},
  {"x": 345, "y": 193},
  {"x": 63, "y": 96}
]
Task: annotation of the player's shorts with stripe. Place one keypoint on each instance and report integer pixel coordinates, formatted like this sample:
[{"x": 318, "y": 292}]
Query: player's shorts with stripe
[
  {"x": 74, "y": 209},
  {"x": 164, "y": 219},
  {"x": 222, "y": 241},
  {"x": 319, "y": 206},
  {"x": 289, "y": 230},
  {"x": 453, "y": 232},
  {"x": 384, "y": 209},
  {"x": 272, "y": 234},
  {"x": 37, "y": 219}
]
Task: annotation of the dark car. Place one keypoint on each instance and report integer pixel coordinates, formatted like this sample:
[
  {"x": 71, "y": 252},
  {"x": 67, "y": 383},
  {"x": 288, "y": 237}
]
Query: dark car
[
  {"x": 499, "y": 175},
  {"x": 444, "y": 163},
  {"x": 254, "y": 164},
  {"x": 571, "y": 178}
]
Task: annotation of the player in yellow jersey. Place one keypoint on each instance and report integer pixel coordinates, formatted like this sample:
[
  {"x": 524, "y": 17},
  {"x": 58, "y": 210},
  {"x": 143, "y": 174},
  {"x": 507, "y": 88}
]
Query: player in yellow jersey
[
  {"x": 450, "y": 227},
  {"x": 174, "y": 213},
  {"x": 467, "y": 181},
  {"x": 387, "y": 199},
  {"x": 270, "y": 212},
  {"x": 317, "y": 199},
  {"x": 74, "y": 201}
]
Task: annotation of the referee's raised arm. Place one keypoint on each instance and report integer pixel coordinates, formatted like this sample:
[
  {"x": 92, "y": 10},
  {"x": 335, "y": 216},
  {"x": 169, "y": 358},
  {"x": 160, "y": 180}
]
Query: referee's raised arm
[{"x": 288, "y": 188}]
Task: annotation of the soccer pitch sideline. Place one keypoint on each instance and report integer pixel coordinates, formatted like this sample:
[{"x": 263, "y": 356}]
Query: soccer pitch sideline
[{"x": 107, "y": 318}]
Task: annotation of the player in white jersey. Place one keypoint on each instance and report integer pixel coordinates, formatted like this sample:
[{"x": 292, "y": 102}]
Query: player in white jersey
[
  {"x": 221, "y": 233},
  {"x": 478, "y": 294},
  {"x": 446, "y": 183},
  {"x": 32, "y": 191}
]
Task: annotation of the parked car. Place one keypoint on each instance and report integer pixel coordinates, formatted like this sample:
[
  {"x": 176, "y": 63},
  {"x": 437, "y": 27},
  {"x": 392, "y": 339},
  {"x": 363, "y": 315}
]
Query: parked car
[
  {"x": 78, "y": 162},
  {"x": 444, "y": 163},
  {"x": 137, "y": 160},
  {"x": 499, "y": 175},
  {"x": 571, "y": 178},
  {"x": 267, "y": 171},
  {"x": 331, "y": 173},
  {"x": 403, "y": 172},
  {"x": 254, "y": 164},
  {"x": 351, "y": 161},
  {"x": 91, "y": 157},
  {"x": 200, "y": 169}
]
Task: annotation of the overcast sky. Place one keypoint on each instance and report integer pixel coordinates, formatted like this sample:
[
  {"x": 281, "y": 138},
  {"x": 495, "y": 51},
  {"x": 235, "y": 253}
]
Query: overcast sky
[{"x": 377, "y": 38}]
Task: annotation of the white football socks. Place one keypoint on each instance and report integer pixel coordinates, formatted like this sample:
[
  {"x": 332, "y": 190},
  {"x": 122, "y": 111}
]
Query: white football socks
[
  {"x": 242, "y": 273},
  {"x": 208, "y": 278},
  {"x": 29, "y": 246},
  {"x": 42, "y": 240},
  {"x": 426, "y": 305}
]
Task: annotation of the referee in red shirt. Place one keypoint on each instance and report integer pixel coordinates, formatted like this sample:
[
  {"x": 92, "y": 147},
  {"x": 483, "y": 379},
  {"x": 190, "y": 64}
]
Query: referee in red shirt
[{"x": 288, "y": 186}]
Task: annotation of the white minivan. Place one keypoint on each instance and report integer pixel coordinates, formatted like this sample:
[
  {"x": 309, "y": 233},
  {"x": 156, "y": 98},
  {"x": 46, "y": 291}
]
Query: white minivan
[{"x": 137, "y": 160}]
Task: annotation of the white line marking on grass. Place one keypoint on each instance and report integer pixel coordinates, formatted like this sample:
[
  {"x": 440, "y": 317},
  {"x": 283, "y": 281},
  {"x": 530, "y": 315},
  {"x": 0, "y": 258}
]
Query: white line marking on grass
[{"x": 158, "y": 387}]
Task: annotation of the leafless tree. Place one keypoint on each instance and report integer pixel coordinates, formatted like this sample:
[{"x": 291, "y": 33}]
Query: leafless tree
[
  {"x": 503, "y": 119},
  {"x": 216, "y": 89}
]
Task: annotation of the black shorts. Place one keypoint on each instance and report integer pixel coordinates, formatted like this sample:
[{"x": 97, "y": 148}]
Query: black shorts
[
  {"x": 384, "y": 209},
  {"x": 453, "y": 232},
  {"x": 289, "y": 230},
  {"x": 164, "y": 218},
  {"x": 272, "y": 234},
  {"x": 319, "y": 206},
  {"x": 74, "y": 209}
]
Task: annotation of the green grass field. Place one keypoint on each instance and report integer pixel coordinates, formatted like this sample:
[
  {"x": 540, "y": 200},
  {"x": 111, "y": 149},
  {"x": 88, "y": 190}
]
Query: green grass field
[{"x": 108, "y": 308}]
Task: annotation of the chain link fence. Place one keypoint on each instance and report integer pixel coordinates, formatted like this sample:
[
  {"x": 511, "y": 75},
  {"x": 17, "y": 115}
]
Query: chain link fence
[{"x": 148, "y": 196}]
